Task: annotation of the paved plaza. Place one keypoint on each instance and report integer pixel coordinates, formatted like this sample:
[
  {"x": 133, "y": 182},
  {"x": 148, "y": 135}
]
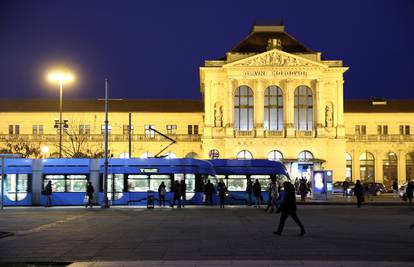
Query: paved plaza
[{"x": 375, "y": 235}]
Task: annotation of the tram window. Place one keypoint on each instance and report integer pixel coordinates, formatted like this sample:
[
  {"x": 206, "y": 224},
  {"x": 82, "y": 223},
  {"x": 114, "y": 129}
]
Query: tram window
[
  {"x": 190, "y": 182},
  {"x": 16, "y": 186},
  {"x": 157, "y": 179},
  {"x": 236, "y": 182},
  {"x": 263, "y": 180},
  {"x": 178, "y": 176},
  {"x": 116, "y": 183},
  {"x": 76, "y": 183},
  {"x": 137, "y": 183},
  {"x": 281, "y": 178},
  {"x": 58, "y": 182}
]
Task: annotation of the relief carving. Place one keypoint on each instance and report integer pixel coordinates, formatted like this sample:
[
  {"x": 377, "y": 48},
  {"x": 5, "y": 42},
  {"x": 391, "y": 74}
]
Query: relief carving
[
  {"x": 274, "y": 59},
  {"x": 329, "y": 115},
  {"x": 218, "y": 115}
]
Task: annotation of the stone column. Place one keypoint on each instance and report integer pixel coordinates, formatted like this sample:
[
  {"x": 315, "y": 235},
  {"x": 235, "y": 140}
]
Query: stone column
[
  {"x": 288, "y": 112},
  {"x": 379, "y": 174},
  {"x": 402, "y": 174},
  {"x": 231, "y": 87},
  {"x": 318, "y": 109},
  {"x": 208, "y": 109},
  {"x": 355, "y": 166},
  {"x": 339, "y": 109},
  {"x": 259, "y": 108}
]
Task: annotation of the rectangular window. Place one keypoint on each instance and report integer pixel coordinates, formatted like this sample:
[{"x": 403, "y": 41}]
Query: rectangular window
[
  {"x": 157, "y": 179},
  {"x": 86, "y": 129},
  {"x": 14, "y": 129},
  {"x": 148, "y": 132},
  {"x": 115, "y": 184},
  {"x": 263, "y": 180},
  {"x": 195, "y": 129},
  {"x": 357, "y": 129},
  {"x": 103, "y": 129},
  {"x": 190, "y": 129},
  {"x": 237, "y": 182},
  {"x": 76, "y": 183},
  {"x": 171, "y": 129},
  {"x": 382, "y": 129},
  {"x": 37, "y": 129},
  {"x": 379, "y": 130},
  {"x": 138, "y": 183},
  {"x": 125, "y": 129},
  {"x": 407, "y": 129},
  {"x": 363, "y": 129},
  {"x": 58, "y": 182},
  {"x": 401, "y": 129}
]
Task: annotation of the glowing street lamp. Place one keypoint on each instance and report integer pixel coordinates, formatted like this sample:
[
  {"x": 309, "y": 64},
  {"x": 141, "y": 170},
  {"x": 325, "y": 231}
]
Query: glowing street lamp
[{"x": 61, "y": 77}]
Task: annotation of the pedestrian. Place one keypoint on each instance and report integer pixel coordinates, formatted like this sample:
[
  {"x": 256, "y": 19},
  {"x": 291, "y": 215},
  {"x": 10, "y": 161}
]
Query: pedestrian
[
  {"x": 183, "y": 191},
  {"x": 359, "y": 193},
  {"x": 161, "y": 194},
  {"x": 409, "y": 191},
  {"x": 395, "y": 188},
  {"x": 273, "y": 194},
  {"x": 269, "y": 200},
  {"x": 222, "y": 191},
  {"x": 177, "y": 194},
  {"x": 288, "y": 207},
  {"x": 48, "y": 194},
  {"x": 208, "y": 192},
  {"x": 257, "y": 191},
  {"x": 89, "y": 193},
  {"x": 345, "y": 186},
  {"x": 249, "y": 191},
  {"x": 309, "y": 187},
  {"x": 303, "y": 190}
]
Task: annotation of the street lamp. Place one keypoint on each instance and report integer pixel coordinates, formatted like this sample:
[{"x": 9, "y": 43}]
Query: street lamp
[{"x": 59, "y": 76}]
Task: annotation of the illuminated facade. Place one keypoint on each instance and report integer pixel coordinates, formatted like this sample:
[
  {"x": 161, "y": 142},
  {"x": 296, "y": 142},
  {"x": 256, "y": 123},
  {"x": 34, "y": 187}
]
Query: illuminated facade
[{"x": 269, "y": 97}]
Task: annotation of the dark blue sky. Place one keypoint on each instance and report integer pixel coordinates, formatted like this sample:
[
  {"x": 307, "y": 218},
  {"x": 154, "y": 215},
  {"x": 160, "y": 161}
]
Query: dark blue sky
[{"x": 153, "y": 49}]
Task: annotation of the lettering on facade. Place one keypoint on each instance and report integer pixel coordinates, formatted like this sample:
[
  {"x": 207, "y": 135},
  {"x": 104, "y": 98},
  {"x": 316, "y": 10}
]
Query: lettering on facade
[{"x": 275, "y": 73}]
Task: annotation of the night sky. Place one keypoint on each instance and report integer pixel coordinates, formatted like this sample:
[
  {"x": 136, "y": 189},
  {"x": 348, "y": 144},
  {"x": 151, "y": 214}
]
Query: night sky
[{"x": 153, "y": 49}]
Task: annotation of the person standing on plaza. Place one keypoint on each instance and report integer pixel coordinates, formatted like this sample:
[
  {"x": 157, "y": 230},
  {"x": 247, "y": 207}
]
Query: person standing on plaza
[
  {"x": 288, "y": 208},
  {"x": 208, "y": 192},
  {"x": 269, "y": 201},
  {"x": 48, "y": 194},
  {"x": 395, "y": 188},
  {"x": 345, "y": 186},
  {"x": 161, "y": 194},
  {"x": 303, "y": 190},
  {"x": 273, "y": 194},
  {"x": 222, "y": 190},
  {"x": 177, "y": 194},
  {"x": 359, "y": 193},
  {"x": 89, "y": 193},
  {"x": 183, "y": 191},
  {"x": 249, "y": 191},
  {"x": 409, "y": 191},
  {"x": 257, "y": 191}
]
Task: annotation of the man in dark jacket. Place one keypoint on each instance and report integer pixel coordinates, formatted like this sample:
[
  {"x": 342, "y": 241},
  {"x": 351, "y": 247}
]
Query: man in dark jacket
[
  {"x": 288, "y": 207},
  {"x": 89, "y": 193},
  {"x": 410, "y": 191},
  {"x": 249, "y": 190},
  {"x": 208, "y": 192},
  {"x": 359, "y": 193},
  {"x": 183, "y": 191},
  {"x": 257, "y": 191},
  {"x": 48, "y": 194},
  {"x": 177, "y": 194}
]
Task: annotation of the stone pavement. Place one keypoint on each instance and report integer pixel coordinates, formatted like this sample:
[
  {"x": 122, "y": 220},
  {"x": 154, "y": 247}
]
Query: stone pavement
[{"x": 345, "y": 235}]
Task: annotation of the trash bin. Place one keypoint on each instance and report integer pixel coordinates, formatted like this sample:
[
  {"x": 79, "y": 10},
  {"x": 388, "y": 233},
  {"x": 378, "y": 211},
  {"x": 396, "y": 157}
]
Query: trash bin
[{"x": 150, "y": 199}]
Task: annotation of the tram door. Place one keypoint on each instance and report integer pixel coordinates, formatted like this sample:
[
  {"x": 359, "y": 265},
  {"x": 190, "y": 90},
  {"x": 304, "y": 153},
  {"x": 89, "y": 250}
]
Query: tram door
[
  {"x": 16, "y": 186},
  {"x": 115, "y": 184}
]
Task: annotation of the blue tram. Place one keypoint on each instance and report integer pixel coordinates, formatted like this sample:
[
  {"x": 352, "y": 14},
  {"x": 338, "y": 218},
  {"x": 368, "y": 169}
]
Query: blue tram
[
  {"x": 236, "y": 172},
  {"x": 129, "y": 179}
]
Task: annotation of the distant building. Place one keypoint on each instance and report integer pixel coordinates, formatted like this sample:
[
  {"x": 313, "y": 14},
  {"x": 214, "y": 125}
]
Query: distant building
[{"x": 268, "y": 97}]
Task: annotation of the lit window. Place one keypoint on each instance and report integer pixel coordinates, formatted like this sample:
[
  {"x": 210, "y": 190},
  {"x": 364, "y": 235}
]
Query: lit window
[
  {"x": 244, "y": 154},
  {"x": 273, "y": 109},
  {"x": 149, "y": 133},
  {"x": 243, "y": 109},
  {"x": 275, "y": 155},
  {"x": 103, "y": 128},
  {"x": 146, "y": 155},
  {"x": 303, "y": 108},
  {"x": 171, "y": 129},
  {"x": 305, "y": 156}
]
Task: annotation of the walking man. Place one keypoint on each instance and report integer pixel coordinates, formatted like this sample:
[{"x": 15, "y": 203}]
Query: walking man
[
  {"x": 288, "y": 207},
  {"x": 161, "y": 194},
  {"x": 89, "y": 193},
  {"x": 345, "y": 186},
  {"x": 257, "y": 191},
  {"x": 249, "y": 190},
  {"x": 209, "y": 191},
  {"x": 222, "y": 190},
  {"x": 395, "y": 188},
  {"x": 177, "y": 194},
  {"x": 359, "y": 193}
]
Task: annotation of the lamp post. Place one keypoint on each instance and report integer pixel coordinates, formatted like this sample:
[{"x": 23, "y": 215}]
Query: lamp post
[{"x": 60, "y": 77}]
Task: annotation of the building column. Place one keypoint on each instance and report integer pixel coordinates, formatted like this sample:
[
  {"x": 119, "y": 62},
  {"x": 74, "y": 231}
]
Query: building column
[
  {"x": 402, "y": 173},
  {"x": 379, "y": 174},
  {"x": 318, "y": 109},
  {"x": 207, "y": 109},
  {"x": 259, "y": 108},
  {"x": 339, "y": 122},
  {"x": 355, "y": 166},
  {"x": 289, "y": 108},
  {"x": 231, "y": 86}
]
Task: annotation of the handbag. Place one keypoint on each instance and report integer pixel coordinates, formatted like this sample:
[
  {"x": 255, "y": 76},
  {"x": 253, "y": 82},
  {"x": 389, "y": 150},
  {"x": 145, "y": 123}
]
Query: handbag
[{"x": 85, "y": 199}]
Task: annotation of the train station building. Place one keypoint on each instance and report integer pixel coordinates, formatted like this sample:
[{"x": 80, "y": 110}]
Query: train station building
[{"x": 269, "y": 97}]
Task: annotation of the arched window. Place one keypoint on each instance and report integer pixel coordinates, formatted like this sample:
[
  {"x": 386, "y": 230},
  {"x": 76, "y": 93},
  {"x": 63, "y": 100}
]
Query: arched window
[
  {"x": 303, "y": 108},
  {"x": 348, "y": 173},
  {"x": 305, "y": 156},
  {"x": 243, "y": 109},
  {"x": 146, "y": 155},
  {"x": 390, "y": 169},
  {"x": 409, "y": 166},
  {"x": 273, "y": 109},
  {"x": 244, "y": 154},
  {"x": 275, "y": 155},
  {"x": 192, "y": 155},
  {"x": 367, "y": 167},
  {"x": 170, "y": 155}
]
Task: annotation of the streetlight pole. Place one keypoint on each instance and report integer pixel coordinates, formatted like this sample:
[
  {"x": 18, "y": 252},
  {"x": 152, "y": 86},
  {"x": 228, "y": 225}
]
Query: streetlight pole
[
  {"x": 60, "y": 118},
  {"x": 105, "y": 202}
]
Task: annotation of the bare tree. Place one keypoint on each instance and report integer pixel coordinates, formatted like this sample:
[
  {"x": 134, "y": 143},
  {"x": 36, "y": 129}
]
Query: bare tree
[{"x": 18, "y": 145}]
